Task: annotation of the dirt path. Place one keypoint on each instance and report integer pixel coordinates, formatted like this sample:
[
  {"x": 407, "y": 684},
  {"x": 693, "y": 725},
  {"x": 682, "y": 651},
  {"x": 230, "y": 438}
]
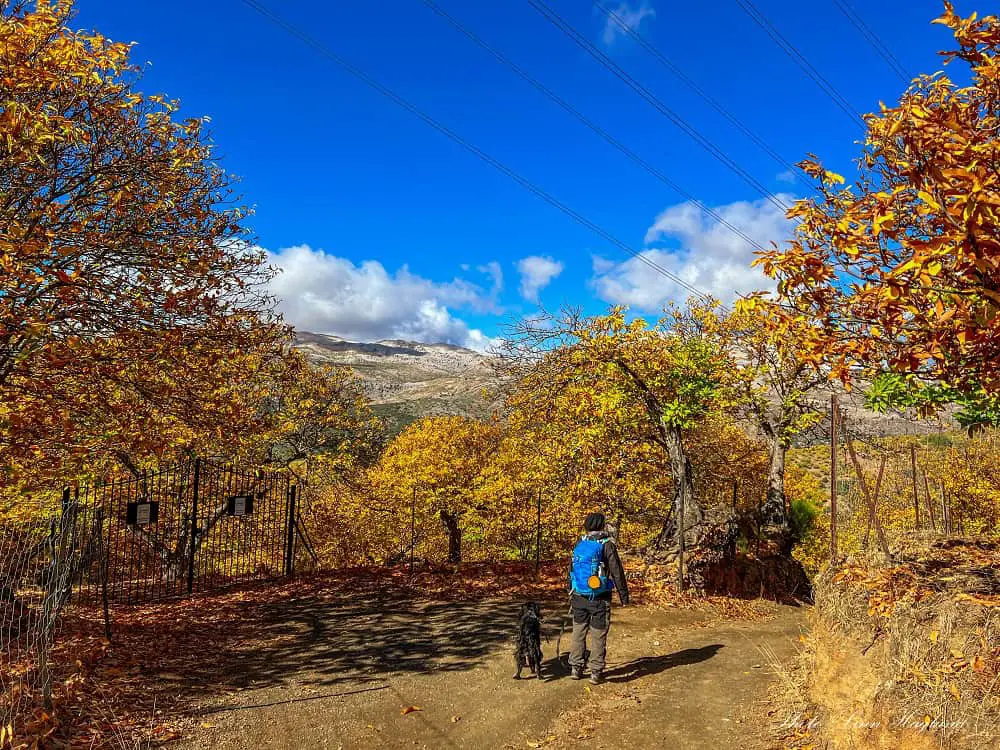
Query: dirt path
[{"x": 333, "y": 674}]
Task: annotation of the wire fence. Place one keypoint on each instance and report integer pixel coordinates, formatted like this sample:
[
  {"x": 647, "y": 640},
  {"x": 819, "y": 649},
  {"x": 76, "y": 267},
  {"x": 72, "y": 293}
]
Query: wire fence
[
  {"x": 884, "y": 488},
  {"x": 194, "y": 527},
  {"x": 38, "y": 560}
]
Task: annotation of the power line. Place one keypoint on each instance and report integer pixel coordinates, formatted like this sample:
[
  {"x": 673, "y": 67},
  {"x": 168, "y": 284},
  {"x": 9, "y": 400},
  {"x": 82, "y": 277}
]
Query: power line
[
  {"x": 793, "y": 52},
  {"x": 541, "y": 87},
  {"x": 873, "y": 39},
  {"x": 372, "y": 83},
  {"x": 691, "y": 84},
  {"x": 581, "y": 41}
]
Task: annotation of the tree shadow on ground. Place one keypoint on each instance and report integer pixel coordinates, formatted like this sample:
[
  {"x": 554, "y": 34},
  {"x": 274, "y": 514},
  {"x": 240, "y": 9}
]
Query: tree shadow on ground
[
  {"x": 329, "y": 641},
  {"x": 333, "y": 642},
  {"x": 302, "y": 640}
]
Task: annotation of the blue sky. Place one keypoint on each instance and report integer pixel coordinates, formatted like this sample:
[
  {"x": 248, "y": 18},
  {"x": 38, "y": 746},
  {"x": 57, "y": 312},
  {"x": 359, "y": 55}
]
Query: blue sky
[{"x": 385, "y": 228}]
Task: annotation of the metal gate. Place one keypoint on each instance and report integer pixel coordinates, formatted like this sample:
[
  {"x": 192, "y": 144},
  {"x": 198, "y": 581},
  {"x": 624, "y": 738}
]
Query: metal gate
[{"x": 196, "y": 526}]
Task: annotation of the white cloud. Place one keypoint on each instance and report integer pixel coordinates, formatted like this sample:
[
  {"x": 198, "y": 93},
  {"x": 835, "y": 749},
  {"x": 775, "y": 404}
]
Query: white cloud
[
  {"x": 625, "y": 18},
  {"x": 324, "y": 293},
  {"x": 704, "y": 253},
  {"x": 494, "y": 271},
  {"x": 787, "y": 176},
  {"x": 536, "y": 273}
]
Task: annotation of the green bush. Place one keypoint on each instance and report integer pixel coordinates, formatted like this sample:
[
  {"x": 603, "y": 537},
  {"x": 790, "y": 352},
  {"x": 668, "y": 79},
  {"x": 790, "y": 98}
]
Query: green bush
[{"x": 802, "y": 514}]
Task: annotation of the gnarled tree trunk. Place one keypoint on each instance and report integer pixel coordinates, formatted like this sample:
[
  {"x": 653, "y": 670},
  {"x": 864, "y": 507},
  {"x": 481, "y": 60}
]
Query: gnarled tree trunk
[
  {"x": 773, "y": 513},
  {"x": 693, "y": 520},
  {"x": 450, "y": 521}
]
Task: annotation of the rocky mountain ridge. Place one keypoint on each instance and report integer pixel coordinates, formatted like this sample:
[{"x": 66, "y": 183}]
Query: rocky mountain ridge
[{"x": 407, "y": 380}]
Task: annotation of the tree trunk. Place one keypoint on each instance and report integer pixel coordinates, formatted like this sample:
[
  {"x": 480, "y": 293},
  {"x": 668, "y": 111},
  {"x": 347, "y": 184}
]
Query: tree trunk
[
  {"x": 450, "y": 521},
  {"x": 773, "y": 513},
  {"x": 694, "y": 515}
]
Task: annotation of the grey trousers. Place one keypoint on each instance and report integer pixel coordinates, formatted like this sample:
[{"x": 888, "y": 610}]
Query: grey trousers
[{"x": 593, "y": 617}]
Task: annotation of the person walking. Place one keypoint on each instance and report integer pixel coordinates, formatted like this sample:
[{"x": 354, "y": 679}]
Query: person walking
[{"x": 595, "y": 572}]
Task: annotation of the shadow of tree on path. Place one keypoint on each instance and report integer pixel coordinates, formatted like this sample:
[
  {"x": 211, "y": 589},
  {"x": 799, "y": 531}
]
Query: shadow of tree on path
[{"x": 330, "y": 642}]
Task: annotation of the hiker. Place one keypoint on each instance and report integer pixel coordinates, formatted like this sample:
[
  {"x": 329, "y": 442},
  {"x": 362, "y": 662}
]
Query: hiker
[{"x": 595, "y": 572}]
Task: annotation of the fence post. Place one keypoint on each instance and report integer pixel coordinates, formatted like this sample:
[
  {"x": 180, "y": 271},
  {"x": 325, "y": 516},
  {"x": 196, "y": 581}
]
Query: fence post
[
  {"x": 48, "y": 619},
  {"x": 945, "y": 516},
  {"x": 102, "y": 564},
  {"x": 194, "y": 524},
  {"x": 680, "y": 539},
  {"x": 290, "y": 541},
  {"x": 538, "y": 531},
  {"x": 916, "y": 499},
  {"x": 65, "y": 540},
  {"x": 930, "y": 503},
  {"x": 413, "y": 526},
  {"x": 833, "y": 478}
]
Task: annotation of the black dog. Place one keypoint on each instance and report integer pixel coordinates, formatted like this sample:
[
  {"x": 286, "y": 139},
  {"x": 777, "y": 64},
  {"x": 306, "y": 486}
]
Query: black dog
[{"x": 529, "y": 640}]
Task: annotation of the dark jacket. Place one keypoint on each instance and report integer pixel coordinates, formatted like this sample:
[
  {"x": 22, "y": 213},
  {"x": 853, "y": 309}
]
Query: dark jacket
[{"x": 613, "y": 563}]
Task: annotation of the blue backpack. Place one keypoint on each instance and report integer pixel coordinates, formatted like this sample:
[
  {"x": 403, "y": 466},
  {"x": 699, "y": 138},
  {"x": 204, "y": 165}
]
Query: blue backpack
[{"x": 588, "y": 569}]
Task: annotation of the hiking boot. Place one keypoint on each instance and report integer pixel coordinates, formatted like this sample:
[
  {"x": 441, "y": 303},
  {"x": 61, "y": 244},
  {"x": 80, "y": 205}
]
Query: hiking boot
[
  {"x": 576, "y": 673},
  {"x": 596, "y": 678}
]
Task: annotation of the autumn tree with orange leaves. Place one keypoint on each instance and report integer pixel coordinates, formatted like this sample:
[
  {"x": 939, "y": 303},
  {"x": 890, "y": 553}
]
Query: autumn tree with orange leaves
[
  {"x": 134, "y": 320},
  {"x": 900, "y": 271}
]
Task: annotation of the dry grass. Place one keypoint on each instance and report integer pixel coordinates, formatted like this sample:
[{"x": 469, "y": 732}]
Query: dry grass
[{"x": 905, "y": 656}]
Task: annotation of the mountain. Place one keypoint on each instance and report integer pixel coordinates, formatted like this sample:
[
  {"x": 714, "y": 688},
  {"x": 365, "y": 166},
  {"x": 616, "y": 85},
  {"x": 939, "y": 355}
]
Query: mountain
[{"x": 407, "y": 380}]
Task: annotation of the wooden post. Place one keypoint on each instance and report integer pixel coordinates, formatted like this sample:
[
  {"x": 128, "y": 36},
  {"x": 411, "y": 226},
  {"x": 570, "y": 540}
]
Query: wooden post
[
  {"x": 879, "y": 533},
  {"x": 49, "y": 610},
  {"x": 872, "y": 515},
  {"x": 833, "y": 478},
  {"x": 945, "y": 518},
  {"x": 930, "y": 503},
  {"x": 538, "y": 530},
  {"x": 102, "y": 562},
  {"x": 290, "y": 537},
  {"x": 916, "y": 500},
  {"x": 680, "y": 541},
  {"x": 944, "y": 512},
  {"x": 193, "y": 540},
  {"x": 413, "y": 526}
]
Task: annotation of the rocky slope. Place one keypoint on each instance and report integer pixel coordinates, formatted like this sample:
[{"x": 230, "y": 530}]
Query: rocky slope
[{"x": 407, "y": 380}]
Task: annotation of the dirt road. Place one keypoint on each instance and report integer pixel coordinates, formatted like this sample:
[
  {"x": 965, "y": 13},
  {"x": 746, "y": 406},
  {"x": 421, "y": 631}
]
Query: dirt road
[{"x": 333, "y": 674}]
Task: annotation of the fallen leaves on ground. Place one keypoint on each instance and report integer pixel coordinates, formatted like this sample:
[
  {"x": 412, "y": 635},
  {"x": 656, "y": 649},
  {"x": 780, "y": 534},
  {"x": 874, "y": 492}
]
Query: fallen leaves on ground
[
  {"x": 166, "y": 661},
  {"x": 148, "y": 682}
]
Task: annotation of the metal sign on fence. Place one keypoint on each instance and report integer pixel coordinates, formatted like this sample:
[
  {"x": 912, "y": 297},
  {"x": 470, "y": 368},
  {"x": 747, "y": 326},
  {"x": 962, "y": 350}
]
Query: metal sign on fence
[
  {"x": 239, "y": 505},
  {"x": 142, "y": 514}
]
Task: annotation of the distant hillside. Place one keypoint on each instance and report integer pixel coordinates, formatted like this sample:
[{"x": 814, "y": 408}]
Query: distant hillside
[{"x": 406, "y": 380}]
